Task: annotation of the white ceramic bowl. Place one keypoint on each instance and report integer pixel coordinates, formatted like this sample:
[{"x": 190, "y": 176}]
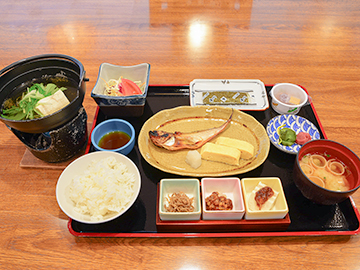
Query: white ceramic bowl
[
  {"x": 77, "y": 167},
  {"x": 191, "y": 187},
  {"x": 280, "y": 208},
  {"x": 231, "y": 188},
  {"x": 292, "y": 91}
]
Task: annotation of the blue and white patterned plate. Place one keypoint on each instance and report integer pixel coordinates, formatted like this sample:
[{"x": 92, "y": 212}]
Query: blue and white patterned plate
[{"x": 296, "y": 123}]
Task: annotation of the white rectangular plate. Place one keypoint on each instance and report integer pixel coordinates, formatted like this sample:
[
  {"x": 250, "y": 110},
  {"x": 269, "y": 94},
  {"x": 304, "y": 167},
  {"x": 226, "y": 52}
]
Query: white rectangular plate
[{"x": 246, "y": 95}]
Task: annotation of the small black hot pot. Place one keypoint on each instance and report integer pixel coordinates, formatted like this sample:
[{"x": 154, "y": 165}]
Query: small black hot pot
[{"x": 58, "y": 136}]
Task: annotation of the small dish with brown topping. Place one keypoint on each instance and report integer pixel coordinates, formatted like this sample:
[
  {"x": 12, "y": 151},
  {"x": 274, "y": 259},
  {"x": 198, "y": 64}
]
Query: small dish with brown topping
[
  {"x": 264, "y": 198},
  {"x": 179, "y": 199},
  {"x": 222, "y": 199}
]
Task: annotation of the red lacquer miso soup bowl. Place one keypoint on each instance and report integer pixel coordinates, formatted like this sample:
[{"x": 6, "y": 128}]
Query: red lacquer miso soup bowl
[{"x": 326, "y": 172}]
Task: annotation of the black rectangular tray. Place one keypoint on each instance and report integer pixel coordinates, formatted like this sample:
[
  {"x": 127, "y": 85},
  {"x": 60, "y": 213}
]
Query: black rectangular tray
[{"x": 306, "y": 217}]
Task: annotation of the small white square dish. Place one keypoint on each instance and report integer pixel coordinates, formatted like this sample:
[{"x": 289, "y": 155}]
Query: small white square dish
[
  {"x": 172, "y": 191},
  {"x": 125, "y": 105},
  {"x": 229, "y": 188},
  {"x": 274, "y": 206}
]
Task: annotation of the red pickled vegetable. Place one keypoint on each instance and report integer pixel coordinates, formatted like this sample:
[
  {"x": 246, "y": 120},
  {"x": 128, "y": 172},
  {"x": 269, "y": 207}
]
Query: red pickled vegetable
[
  {"x": 128, "y": 88},
  {"x": 121, "y": 87},
  {"x": 302, "y": 138}
]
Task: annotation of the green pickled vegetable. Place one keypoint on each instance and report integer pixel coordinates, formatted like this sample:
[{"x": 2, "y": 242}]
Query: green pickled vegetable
[
  {"x": 24, "y": 108},
  {"x": 287, "y": 136}
]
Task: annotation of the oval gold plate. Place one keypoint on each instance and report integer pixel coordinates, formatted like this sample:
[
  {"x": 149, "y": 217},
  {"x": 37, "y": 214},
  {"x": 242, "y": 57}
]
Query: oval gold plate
[{"x": 188, "y": 119}]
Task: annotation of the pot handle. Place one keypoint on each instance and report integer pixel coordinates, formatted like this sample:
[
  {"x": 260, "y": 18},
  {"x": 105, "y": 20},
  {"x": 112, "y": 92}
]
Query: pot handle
[{"x": 61, "y": 56}]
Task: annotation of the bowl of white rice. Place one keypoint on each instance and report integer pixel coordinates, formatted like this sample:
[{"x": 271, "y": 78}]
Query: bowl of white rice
[{"x": 98, "y": 187}]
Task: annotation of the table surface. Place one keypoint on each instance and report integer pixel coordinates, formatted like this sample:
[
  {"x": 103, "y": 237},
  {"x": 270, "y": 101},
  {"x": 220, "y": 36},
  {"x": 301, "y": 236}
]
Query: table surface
[{"x": 311, "y": 43}]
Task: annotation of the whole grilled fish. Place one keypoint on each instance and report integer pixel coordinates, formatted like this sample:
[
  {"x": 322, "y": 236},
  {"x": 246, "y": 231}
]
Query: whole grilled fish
[{"x": 179, "y": 140}]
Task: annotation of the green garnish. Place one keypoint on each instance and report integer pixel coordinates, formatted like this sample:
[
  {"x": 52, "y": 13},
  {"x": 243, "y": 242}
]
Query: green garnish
[
  {"x": 25, "y": 107},
  {"x": 287, "y": 136}
]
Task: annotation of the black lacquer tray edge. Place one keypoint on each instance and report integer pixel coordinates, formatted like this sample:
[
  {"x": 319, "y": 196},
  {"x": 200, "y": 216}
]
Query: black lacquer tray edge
[{"x": 184, "y": 91}]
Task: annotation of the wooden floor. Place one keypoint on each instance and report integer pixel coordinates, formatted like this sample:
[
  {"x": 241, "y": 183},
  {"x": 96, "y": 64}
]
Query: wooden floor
[{"x": 313, "y": 43}]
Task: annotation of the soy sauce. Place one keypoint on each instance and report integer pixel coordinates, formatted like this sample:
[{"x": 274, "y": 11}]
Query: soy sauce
[{"x": 114, "y": 140}]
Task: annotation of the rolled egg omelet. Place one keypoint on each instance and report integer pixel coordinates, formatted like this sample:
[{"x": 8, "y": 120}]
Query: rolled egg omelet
[
  {"x": 220, "y": 153},
  {"x": 246, "y": 149}
]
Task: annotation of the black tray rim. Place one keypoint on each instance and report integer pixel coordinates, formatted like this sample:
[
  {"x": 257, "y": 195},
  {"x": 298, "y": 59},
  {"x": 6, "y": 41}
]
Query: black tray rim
[{"x": 185, "y": 91}]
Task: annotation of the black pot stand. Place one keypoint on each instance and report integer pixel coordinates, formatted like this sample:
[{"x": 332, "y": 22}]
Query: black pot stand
[{"x": 59, "y": 144}]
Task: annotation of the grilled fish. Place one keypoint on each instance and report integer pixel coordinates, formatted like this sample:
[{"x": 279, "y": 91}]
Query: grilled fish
[{"x": 179, "y": 140}]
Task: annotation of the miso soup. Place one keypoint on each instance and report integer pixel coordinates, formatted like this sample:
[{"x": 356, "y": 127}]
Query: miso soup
[{"x": 333, "y": 172}]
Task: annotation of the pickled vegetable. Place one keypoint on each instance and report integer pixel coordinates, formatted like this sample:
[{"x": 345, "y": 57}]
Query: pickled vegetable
[{"x": 287, "y": 136}]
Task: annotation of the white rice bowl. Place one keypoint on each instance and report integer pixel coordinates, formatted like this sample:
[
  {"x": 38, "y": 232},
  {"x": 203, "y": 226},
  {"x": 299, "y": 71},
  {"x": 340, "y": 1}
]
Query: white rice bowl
[{"x": 98, "y": 187}]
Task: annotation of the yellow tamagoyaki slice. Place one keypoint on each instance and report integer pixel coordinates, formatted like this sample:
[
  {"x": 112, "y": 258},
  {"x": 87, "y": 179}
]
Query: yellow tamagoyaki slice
[
  {"x": 220, "y": 153},
  {"x": 246, "y": 148}
]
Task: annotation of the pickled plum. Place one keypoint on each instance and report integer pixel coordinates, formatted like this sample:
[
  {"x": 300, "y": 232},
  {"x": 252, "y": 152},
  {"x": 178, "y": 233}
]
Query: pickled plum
[{"x": 302, "y": 138}]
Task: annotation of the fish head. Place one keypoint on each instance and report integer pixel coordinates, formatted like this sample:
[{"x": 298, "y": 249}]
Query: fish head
[{"x": 161, "y": 138}]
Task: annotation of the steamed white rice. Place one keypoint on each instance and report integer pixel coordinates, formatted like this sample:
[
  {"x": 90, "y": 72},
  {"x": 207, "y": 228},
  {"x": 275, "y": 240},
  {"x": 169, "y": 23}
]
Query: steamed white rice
[{"x": 105, "y": 187}]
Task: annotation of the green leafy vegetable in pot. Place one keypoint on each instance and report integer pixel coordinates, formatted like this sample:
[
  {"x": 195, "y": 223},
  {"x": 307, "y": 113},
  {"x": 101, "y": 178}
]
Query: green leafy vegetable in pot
[
  {"x": 38, "y": 101},
  {"x": 287, "y": 136}
]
